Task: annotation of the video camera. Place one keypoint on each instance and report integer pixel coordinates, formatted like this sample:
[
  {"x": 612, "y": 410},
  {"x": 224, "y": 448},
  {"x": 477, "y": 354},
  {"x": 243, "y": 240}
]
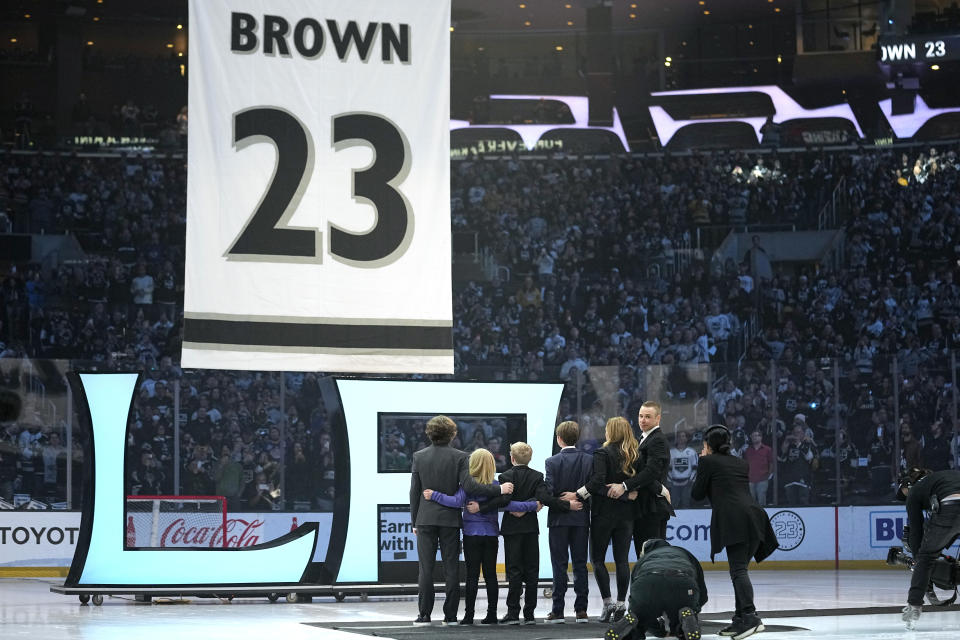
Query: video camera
[{"x": 945, "y": 573}]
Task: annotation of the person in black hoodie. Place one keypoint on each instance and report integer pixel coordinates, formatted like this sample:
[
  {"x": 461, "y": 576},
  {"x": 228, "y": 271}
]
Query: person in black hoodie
[
  {"x": 664, "y": 579},
  {"x": 737, "y": 523},
  {"x": 938, "y": 493}
]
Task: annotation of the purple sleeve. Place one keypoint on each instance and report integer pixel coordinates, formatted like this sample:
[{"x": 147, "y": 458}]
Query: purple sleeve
[
  {"x": 456, "y": 500},
  {"x": 521, "y": 506}
]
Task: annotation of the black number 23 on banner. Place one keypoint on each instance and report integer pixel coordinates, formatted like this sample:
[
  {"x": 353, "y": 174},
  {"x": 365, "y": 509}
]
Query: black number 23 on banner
[{"x": 266, "y": 237}]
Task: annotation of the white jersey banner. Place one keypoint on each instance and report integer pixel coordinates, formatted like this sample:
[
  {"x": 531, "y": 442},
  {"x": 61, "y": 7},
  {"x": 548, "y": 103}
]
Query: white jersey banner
[{"x": 318, "y": 206}]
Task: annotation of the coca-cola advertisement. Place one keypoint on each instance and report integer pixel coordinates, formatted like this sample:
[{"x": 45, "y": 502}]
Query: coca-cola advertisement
[
  {"x": 48, "y": 539},
  {"x": 186, "y": 531}
]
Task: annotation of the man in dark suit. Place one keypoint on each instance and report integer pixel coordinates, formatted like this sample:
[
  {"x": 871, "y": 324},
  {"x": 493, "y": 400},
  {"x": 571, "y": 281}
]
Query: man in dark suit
[
  {"x": 567, "y": 521},
  {"x": 442, "y": 468},
  {"x": 651, "y": 509},
  {"x": 521, "y": 535}
]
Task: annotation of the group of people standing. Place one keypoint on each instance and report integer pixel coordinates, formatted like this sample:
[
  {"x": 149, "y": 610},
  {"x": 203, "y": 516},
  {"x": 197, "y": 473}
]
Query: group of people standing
[{"x": 615, "y": 496}]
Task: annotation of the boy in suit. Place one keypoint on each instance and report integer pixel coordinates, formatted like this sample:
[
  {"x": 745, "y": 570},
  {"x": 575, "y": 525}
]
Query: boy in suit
[
  {"x": 521, "y": 533},
  {"x": 567, "y": 521}
]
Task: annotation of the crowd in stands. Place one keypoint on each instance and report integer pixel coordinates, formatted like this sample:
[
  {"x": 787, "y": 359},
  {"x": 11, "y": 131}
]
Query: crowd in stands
[
  {"x": 593, "y": 294},
  {"x": 123, "y": 124},
  {"x": 401, "y": 436}
]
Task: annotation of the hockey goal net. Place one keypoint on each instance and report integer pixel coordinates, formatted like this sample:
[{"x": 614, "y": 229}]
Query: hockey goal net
[{"x": 157, "y": 522}]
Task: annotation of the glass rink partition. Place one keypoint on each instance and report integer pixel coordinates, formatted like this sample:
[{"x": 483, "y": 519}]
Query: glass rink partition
[{"x": 322, "y": 462}]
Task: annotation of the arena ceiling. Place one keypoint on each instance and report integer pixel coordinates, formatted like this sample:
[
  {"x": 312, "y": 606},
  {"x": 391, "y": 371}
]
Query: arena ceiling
[{"x": 467, "y": 15}]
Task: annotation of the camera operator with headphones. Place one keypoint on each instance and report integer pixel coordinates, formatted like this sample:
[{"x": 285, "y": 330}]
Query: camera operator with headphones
[{"x": 939, "y": 493}]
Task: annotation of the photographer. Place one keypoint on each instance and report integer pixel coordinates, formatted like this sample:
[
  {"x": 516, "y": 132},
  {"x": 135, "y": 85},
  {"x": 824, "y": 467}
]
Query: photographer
[
  {"x": 938, "y": 493},
  {"x": 665, "y": 579}
]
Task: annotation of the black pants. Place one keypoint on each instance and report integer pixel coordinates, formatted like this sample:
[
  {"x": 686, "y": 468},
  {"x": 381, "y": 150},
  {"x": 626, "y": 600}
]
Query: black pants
[
  {"x": 480, "y": 552},
  {"x": 939, "y": 532},
  {"x": 521, "y": 555},
  {"x": 738, "y": 557},
  {"x": 602, "y": 531},
  {"x": 654, "y": 594},
  {"x": 447, "y": 539},
  {"x": 653, "y": 525},
  {"x": 569, "y": 543}
]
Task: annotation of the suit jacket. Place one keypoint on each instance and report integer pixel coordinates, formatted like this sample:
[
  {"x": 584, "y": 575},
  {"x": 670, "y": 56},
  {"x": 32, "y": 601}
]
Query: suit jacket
[
  {"x": 567, "y": 471},
  {"x": 652, "y": 466},
  {"x": 444, "y": 469},
  {"x": 527, "y": 485},
  {"x": 736, "y": 516}
]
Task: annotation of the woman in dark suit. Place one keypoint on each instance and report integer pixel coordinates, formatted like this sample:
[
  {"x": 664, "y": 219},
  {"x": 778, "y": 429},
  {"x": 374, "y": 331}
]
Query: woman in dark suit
[
  {"x": 737, "y": 523},
  {"x": 612, "y": 519}
]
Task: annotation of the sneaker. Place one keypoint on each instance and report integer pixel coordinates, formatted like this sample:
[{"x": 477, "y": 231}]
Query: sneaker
[
  {"x": 490, "y": 619},
  {"x": 623, "y": 627},
  {"x": 911, "y": 613},
  {"x": 607, "y": 612},
  {"x": 554, "y": 618},
  {"x": 529, "y": 620},
  {"x": 509, "y": 619},
  {"x": 689, "y": 625},
  {"x": 748, "y": 626},
  {"x": 467, "y": 619},
  {"x": 582, "y": 616},
  {"x": 450, "y": 622},
  {"x": 422, "y": 621},
  {"x": 730, "y": 629},
  {"x": 619, "y": 612}
]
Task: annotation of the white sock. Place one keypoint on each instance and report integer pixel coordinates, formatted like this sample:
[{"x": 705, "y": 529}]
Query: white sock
[
  {"x": 607, "y": 601},
  {"x": 621, "y": 604}
]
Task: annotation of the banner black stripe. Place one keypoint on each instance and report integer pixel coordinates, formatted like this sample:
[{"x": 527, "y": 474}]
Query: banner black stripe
[{"x": 343, "y": 336}]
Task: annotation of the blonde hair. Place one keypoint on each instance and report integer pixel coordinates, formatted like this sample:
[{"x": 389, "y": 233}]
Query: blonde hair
[
  {"x": 618, "y": 430},
  {"x": 482, "y": 466},
  {"x": 650, "y": 404},
  {"x": 521, "y": 452}
]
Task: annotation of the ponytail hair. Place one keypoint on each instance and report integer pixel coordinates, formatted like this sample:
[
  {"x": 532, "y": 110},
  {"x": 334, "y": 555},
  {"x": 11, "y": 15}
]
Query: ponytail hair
[{"x": 717, "y": 438}]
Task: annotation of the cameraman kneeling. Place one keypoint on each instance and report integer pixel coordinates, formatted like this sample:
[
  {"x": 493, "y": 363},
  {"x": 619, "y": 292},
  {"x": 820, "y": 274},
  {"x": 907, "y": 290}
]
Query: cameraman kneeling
[
  {"x": 664, "y": 579},
  {"x": 939, "y": 493}
]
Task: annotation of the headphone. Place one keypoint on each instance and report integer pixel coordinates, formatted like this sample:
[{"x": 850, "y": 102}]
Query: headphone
[
  {"x": 717, "y": 427},
  {"x": 908, "y": 479}
]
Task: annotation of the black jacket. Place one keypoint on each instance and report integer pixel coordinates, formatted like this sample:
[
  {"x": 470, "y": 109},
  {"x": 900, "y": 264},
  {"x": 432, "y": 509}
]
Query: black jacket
[
  {"x": 940, "y": 484},
  {"x": 736, "y": 516},
  {"x": 607, "y": 463},
  {"x": 567, "y": 471},
  {"x": 527, "y": 485},
  {"x": 652, "y": 466},
  {"x": 659, "y": 556}
]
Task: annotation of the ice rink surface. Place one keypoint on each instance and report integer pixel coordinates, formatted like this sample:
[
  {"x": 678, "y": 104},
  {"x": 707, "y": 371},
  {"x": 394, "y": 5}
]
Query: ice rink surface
[{"x": 823, "y": 602}]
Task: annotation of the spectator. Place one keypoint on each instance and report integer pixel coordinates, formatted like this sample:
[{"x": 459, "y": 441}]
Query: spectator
[
  {"x": 936, "y": 448},
  {"x": 798, "y": 459},
  {"x": 760, "y": 458},
  {"x": 682, "y": 471}
]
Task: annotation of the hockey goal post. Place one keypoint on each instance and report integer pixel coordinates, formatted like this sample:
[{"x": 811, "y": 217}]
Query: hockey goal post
[{"x": 160, "y": 522}]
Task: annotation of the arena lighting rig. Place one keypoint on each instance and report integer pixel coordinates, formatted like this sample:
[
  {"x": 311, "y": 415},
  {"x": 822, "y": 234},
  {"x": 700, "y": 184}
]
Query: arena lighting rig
[{"x": 531, "y": 133}]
